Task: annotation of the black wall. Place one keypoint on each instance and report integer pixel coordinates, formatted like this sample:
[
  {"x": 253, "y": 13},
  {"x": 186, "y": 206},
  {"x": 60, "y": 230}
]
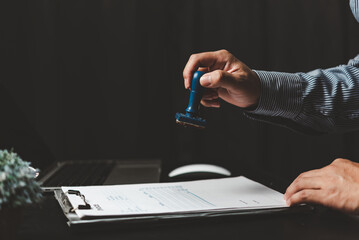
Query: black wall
[{"x": 103, "y": 79}]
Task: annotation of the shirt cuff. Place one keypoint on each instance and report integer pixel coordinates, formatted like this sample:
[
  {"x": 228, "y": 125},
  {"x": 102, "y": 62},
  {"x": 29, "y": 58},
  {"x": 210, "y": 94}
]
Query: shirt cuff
[{"x": 281, "y": 94}]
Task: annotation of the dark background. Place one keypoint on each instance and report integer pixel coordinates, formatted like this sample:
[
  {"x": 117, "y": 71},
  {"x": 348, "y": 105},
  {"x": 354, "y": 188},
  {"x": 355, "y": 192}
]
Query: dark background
[{"x": 103, "y": 79}]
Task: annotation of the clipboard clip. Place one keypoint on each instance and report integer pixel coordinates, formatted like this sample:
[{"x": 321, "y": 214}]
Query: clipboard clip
[{"x": 80, "y": 206}]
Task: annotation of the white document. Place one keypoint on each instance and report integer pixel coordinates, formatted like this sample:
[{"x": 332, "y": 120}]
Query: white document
[{"x": 237, "y": 193}]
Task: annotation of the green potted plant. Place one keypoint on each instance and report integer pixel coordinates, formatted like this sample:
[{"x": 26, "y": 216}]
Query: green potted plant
[{"x": 18, "y": 189}]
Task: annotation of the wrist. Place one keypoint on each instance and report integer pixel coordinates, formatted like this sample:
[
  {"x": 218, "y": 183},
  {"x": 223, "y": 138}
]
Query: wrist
[{"x": 256, "y": 93}]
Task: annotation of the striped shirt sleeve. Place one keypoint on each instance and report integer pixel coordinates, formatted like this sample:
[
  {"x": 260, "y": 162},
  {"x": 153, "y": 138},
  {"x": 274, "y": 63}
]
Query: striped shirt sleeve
[{"x": 321, "y": 101}]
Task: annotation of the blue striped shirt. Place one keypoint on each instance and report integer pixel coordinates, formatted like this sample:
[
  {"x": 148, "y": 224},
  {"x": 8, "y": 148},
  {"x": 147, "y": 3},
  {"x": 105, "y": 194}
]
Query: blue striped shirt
[{"x": 321, "y": 101}]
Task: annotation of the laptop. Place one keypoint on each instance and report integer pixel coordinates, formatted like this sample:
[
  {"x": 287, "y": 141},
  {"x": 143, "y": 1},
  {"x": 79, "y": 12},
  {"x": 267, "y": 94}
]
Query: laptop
[{"x": 99, "y": 172}]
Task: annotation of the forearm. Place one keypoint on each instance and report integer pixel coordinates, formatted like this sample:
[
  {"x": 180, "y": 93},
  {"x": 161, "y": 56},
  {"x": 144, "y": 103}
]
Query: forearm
[{"x": 320, "y": 101}]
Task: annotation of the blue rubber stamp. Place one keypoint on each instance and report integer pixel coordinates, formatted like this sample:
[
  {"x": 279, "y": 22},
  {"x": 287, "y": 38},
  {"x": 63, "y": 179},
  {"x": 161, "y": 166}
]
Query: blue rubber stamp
[{"x": 191, "y": 118}]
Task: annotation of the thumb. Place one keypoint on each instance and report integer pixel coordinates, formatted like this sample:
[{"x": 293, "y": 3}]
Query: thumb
[{"x": 218, "y": 78}]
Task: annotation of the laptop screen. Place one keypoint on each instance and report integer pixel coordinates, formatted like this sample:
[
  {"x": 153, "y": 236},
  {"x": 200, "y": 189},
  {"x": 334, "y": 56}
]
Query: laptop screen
[{"x": 19, "y": 134}]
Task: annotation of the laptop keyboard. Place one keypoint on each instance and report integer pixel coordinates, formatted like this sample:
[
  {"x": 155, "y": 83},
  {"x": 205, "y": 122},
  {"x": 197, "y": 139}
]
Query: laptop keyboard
[{"x": 80, "y": 174}]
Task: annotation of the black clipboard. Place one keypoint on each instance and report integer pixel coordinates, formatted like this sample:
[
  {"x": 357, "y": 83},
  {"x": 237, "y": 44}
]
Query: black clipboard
[{"x": 76, "y": 223}]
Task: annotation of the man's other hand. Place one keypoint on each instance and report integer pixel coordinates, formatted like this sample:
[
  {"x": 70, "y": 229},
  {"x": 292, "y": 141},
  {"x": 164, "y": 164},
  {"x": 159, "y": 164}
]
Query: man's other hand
[
  {"x": 227, "y": 78},
  {"x": 335, "y": 186}
]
